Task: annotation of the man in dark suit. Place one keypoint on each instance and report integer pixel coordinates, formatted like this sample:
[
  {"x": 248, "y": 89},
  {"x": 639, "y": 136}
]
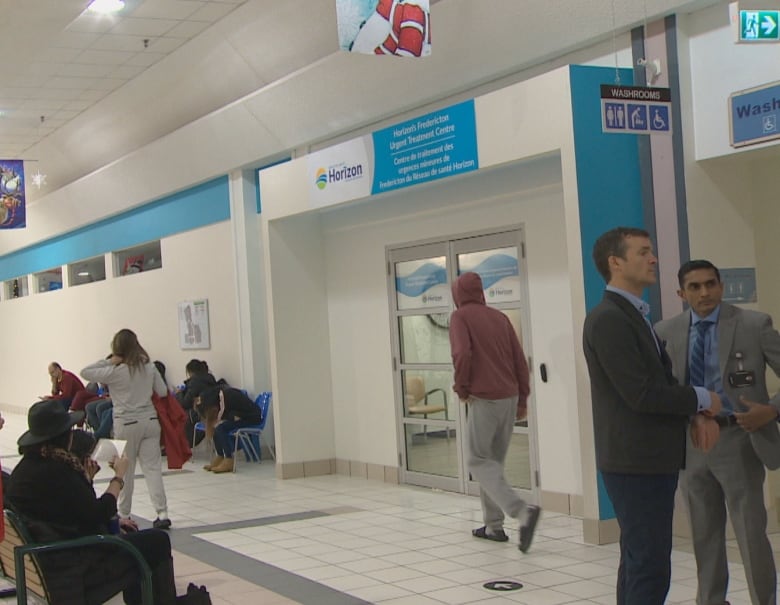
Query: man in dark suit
[
  {"x": 734, "y": 347},
  {"x": 640, "y": 415}
]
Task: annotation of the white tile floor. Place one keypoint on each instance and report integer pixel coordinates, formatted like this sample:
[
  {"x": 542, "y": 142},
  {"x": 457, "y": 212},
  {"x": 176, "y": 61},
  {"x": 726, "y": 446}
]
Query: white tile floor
[{"x": 255, "y": 539}]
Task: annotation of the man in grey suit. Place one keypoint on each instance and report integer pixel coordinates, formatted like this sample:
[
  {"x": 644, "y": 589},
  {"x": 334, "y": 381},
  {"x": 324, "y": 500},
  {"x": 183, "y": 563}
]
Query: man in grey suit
[
  {"x": 734, "y": 346},
  {"x": 640, "y": 414}
]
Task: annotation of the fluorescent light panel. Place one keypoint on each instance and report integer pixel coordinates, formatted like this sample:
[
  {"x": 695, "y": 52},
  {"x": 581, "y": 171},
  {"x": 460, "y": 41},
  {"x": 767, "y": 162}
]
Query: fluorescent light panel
[{"x": 106, "y": 6}]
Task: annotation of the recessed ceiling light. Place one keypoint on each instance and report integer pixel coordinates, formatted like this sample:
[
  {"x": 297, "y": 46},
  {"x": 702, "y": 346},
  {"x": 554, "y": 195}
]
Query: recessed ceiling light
[
  {"x": 106, "y": 6},
  {"x": 83, "y": 273}
]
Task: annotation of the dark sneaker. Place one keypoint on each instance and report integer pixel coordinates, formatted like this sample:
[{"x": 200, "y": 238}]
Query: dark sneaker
[
  {"x": 161, "y": 523},
  {"x": 496, "y": 536},
  {"x": 527, "y": 529}
]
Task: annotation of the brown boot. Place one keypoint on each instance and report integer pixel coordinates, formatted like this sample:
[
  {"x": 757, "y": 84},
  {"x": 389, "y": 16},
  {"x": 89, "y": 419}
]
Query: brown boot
[
  {"x": 226, "y": 466},
  {"x": 216, "y": 462}
]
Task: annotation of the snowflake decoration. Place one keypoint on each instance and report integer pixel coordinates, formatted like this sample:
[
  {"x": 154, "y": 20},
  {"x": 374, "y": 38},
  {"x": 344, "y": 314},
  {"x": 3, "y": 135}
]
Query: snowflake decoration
[{"x": 39, "y": 179}]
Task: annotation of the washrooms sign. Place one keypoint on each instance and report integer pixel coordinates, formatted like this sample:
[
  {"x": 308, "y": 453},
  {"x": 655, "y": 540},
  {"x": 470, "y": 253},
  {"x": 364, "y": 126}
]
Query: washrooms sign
[
  {"x": 754, "y": 115},
  {"x": 635, "y": 110}
]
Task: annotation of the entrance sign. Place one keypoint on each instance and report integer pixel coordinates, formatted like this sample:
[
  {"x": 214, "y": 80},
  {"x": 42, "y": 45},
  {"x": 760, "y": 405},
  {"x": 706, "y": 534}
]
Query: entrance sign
[
  {"x": 754, "y": 115},
  {"x": 433, "y": 146},
  {"x": 759, "y": 25},
  {"x": 635, "y": 110}
]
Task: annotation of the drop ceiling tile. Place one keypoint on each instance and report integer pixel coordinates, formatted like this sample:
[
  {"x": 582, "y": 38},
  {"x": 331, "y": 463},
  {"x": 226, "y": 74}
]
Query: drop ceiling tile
[
  {"x": 71, "y": 39},
  {"x": 119, "y": 42},
  {"x": 144, "y": 27},
  {"x": 64, "y": 114},
  {"x": 145, "y": 59},
  {"x": 213, "y": 11},
  {"x": 103, "y": 57},
  {"x": 58, "y": 94},
  {"x": 49, "y": 69},
  {"x": 93, "y": 95},
  {"x": 66, "y": 82},
  {"x": 80, "y": 70},
  {"x": 127, "y": 72},
  {"x": 42, "y": 105},
  {"x": 57, "y": 55},
  {"x": 107, "y": 84},
  {"x": 187, "y": 29},
  {"x": 9, "y": 105},
  {"x": 167, "y": 9},
  {"x": 77, "y": 105},
  {"x": 26, "y": 80},
  {"x": 13, "y": 92},
  {"x": 166, "y": 44},
  {"x": 92, "y": 23}
]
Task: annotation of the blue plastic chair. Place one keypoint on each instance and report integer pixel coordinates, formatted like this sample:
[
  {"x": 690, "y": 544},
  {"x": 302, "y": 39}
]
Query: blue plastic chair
[{"x": 248, "y": 438}]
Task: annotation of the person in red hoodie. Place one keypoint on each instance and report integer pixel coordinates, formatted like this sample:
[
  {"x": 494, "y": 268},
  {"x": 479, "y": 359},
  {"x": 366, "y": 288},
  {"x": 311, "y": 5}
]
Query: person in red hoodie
[
  {"x": 64, "y": 385},
  {"x": 492, "y": 378}
]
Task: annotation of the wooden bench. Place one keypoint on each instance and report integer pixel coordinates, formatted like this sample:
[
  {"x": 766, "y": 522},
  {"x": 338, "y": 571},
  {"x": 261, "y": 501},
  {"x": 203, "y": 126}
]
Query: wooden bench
[{"x": 18, "y": 551}]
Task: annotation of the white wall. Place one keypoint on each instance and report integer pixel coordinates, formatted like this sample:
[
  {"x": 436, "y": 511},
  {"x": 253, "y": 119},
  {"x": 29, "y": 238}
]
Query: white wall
[
  {"x": 75, "y": 325},
  {"x": 298, "y": 339},
  {"x": 720, "y": 67}
]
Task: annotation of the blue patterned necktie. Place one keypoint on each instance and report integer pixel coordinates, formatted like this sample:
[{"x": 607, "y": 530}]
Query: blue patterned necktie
[{"x": 696, "y": 370}]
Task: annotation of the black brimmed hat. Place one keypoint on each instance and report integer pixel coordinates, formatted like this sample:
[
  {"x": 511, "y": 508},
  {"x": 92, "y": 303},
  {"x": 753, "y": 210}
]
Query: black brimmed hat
[{"x": 46, "y": 420}]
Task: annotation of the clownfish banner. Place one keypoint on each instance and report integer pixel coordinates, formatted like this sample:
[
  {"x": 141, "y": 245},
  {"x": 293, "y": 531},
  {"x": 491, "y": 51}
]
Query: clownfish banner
[
  {"x": 401, "y": 28},
  {"x": 12, "y": 206}
]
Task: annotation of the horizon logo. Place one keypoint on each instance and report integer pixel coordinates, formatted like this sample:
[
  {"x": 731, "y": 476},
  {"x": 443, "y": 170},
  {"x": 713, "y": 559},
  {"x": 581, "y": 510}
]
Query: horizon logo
[{"x": 338, "y": 173}]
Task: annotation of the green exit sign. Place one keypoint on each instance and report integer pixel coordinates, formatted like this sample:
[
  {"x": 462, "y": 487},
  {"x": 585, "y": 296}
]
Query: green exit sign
[{"x": 759, "y": 26}]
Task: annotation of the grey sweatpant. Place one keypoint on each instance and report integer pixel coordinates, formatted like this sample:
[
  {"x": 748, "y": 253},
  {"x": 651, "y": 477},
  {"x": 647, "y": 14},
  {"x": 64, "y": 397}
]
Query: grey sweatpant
[
  {"x": 143, "y": 445},
  {"x": 490, "y": 426}
]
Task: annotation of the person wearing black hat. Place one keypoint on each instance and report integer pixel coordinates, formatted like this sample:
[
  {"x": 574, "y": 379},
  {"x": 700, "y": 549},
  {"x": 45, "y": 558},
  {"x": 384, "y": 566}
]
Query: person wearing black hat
[{"x": 52, "y": 490}]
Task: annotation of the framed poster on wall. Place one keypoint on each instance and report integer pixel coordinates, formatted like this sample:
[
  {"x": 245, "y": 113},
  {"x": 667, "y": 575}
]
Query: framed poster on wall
[{"x": 194, "y": 324}]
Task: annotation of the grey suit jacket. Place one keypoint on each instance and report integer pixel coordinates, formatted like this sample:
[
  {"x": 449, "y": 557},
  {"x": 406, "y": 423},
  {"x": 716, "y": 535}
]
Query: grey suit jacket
[{"x": 739, "y": 331}]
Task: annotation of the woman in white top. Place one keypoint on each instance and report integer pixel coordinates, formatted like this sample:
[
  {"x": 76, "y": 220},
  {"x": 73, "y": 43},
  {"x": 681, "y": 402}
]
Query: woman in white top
[{"x": 131, "y": 378}]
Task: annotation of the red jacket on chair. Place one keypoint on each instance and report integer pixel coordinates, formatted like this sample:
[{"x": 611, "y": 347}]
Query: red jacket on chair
[{"x": 172, "y": 418}]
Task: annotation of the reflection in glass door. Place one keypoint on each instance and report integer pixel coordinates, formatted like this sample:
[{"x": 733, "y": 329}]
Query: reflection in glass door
[
  {"x": 430, "y": 416},
  {"x": 421, "y": 305}
]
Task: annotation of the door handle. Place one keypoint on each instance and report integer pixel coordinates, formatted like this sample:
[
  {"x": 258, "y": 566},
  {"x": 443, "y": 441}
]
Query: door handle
[{"x": 543, "y": 371}]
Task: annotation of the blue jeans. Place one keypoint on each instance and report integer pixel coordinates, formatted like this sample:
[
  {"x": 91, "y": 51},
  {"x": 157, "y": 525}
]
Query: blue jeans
[
  {"x": 100, "y": 416},
  {"x": 223, "y": 444},
  {"x": 644, "y": 505}
]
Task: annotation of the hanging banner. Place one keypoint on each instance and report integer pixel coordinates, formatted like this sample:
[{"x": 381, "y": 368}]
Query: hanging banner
[
  {"x": 385, "y": 27},
  {"x": 12, "y": 199}
]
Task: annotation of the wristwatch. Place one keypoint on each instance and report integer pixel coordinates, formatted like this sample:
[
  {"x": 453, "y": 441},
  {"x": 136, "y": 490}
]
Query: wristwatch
[{"x": 119, "y": 480}]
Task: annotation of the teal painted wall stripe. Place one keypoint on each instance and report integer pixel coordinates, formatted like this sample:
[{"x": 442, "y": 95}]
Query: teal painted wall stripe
[
  {"x": 198, "y": 206},
  {"x": 608, "y": 184}
]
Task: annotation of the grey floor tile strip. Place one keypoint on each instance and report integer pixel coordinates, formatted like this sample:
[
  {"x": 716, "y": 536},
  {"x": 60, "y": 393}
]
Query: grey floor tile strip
[{"x": 280, "y": 581}]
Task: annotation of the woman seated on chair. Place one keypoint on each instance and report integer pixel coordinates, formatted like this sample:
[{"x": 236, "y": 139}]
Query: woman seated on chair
[
  {"x": 223, "y": 410},
  {"x": 51, "y": 488}
]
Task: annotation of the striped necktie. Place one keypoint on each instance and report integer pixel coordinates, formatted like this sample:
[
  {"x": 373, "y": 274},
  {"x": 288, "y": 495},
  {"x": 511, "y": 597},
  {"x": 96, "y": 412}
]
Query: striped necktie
[{"x": 696, "y": 370}]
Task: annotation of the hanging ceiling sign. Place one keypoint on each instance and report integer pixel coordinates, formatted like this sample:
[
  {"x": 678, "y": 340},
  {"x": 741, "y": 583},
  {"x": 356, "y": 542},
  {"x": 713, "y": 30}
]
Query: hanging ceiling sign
[
  {"x": 635, "y": 110},
  {"x": 754, "y": 115},
  {"x": 401, "y": 28},
  {"x": 12, "y": 197},
  {"x": 759, "y": 26}
]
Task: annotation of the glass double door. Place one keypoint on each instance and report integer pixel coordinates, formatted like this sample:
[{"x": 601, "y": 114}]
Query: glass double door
[{"x": 431, "y": 419}]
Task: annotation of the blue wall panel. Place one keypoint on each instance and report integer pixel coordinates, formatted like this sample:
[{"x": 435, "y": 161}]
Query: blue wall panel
[
  {"x": 196, "y": 207},
  {"x": 608, "y": 184}
]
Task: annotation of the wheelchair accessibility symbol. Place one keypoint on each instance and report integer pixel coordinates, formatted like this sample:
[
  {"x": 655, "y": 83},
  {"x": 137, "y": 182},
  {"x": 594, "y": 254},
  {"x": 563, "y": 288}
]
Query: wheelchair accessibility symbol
[{"x": 769, "y": 124}]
